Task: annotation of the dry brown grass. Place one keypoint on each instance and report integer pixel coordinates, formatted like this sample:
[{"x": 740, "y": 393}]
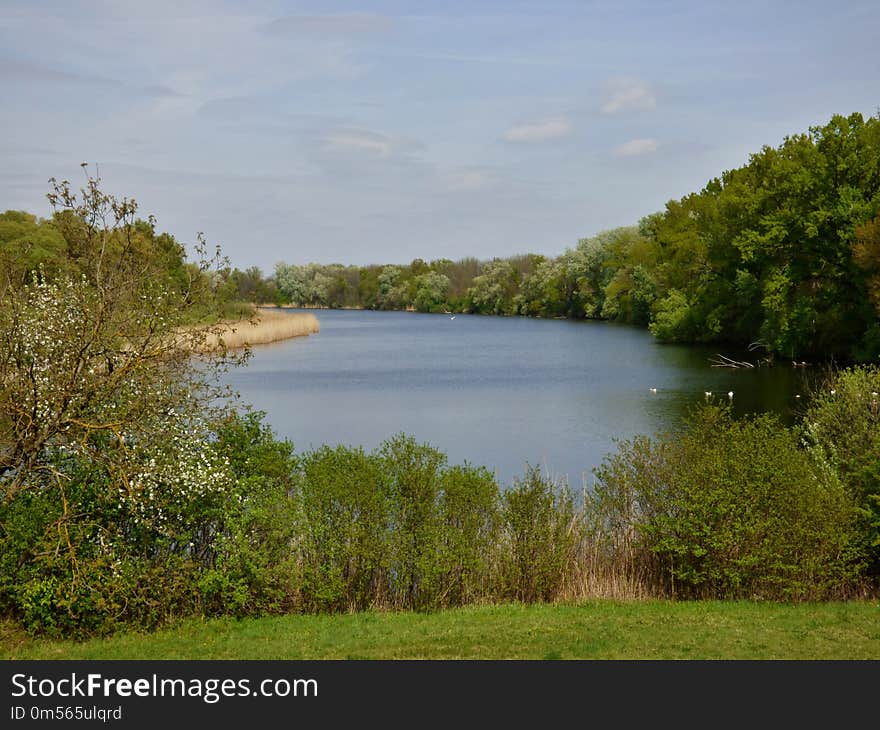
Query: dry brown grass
[
  {"x": 268, "y": 326},
  {"x": 590, "y": 579}
]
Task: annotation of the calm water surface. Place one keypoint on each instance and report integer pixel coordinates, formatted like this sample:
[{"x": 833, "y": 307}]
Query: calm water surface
[{"x": 492, "y": 390}]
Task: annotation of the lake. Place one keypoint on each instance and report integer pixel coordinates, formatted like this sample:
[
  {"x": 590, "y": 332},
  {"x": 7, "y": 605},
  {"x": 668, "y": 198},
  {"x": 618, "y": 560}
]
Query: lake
[{"x": 497, "y": 391}]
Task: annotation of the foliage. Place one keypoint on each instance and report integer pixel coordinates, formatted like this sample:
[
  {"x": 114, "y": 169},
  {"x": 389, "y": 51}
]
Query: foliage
[
  {"x": 493, "y": 290},
  {"x": 344, "y": 516},
  {"x": 469, "y": 520},
  {"x": 431, "y": 292},
  {"x": 76, "y": 560},
  {"x": 413, "y": 481},
  {"x": 253, "y": 569},
  {"x": 393, "y": 527},
  {"x": 766, "y": 251},
  {"x": 27, "y": 244},
  {"x": 247, "y": 286},
  {"x": 204, "y": 524},
  {"x": 843, "y": 424},
  {"x": 318, "y": 286},
  {"x": 866, "y": 255},
  {"x": 99, "y": 360},
  {"x": 540, "y": 533},
  {"x": 105, "y": 479},
  {"x": 673, "y": 320},
  {"x": 728, "y": 509}
]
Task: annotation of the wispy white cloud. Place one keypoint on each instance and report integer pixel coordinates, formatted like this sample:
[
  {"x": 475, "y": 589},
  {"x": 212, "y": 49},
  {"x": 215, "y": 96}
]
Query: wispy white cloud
[
  {"x": 328, "y": 25},
  {"x": 539, "y": 131},
  {"x": 31, "y": 73},
  {"x": 627, "y": 93},
  {"x": 635, "y": 147},
  {"x": 499, "y": 60},
  {"x": 359, "y": 140}
]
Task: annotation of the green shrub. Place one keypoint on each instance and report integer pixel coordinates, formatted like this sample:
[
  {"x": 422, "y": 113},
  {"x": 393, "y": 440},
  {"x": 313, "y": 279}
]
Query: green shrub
[
  {"x": 394, "y": 527},
  {"x": 414, "y": 481},
  {"x": 731, "y": 509},
  {"x": 843, "y": 420},
  {"x": 469, "y": 525},
  {"x": 843, "y": 425},
  {"x": 255, "y": 570},
  {"x": 344, "y": 510},
  {"x": 199, "y": 527},
  {"x": 627, "y": 495},
  {"x": 540, "y": 537}
]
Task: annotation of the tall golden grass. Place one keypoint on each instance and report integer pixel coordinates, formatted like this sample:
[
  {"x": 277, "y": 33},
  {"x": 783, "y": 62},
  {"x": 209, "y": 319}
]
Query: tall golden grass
[
  {"x": 266, "y": 327},
  {"x": 592, "y": 574}
]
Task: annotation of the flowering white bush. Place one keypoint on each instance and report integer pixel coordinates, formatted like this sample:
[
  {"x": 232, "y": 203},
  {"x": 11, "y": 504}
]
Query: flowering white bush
[
  {"x": 100, "y": 347},
  {"x": 110, "y": 479},
  {"x": 181, "y": 472}
]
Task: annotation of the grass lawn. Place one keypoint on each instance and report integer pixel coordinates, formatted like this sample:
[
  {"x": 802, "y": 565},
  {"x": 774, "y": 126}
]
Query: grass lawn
[{"x": 593, "y": 630}]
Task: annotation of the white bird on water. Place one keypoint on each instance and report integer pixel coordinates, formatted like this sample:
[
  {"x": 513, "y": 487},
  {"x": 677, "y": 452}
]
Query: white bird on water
[
  {"x": 452, "y": 317},
  {"x": 653, "y": 390}
]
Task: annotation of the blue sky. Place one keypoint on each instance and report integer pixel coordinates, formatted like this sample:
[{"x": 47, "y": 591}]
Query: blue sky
[{"x": 381, "y": 132}]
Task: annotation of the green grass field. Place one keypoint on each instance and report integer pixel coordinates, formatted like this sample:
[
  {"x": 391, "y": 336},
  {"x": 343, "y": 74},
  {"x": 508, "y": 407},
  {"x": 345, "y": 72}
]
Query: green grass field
[{"x": 594, "y": 630}]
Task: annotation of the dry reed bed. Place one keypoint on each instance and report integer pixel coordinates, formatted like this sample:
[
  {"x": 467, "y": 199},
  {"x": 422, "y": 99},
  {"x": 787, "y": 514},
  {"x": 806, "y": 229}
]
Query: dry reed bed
[{"x": 268, "y": 326}]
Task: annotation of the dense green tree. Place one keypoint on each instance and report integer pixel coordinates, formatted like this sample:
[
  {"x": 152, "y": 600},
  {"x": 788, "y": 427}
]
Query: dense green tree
[
  {"x": 432, "y": 289},
  {"x": 27, "y": 243},
  {"x": 368, "y": 287},
  {"x": 866, "y": 255},
  {"x": 630, "y": 292},
  {"x": 251, "y": 286},
  {"x": 494, "y": 290},
  {"x": 765, "y": 253},
  {"x": 460, "y": 275},
  {"x": 392, "y": 291}
]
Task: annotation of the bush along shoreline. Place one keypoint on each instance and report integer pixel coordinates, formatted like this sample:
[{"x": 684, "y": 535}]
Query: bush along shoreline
[{"x": 240, "y": 524}]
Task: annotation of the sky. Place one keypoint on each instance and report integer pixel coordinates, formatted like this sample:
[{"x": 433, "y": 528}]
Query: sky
[{"x": 381, "y": 132}]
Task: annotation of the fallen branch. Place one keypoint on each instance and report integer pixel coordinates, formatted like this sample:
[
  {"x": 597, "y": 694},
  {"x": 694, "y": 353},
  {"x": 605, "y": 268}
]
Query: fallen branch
[{"x": 721, "y": 361}]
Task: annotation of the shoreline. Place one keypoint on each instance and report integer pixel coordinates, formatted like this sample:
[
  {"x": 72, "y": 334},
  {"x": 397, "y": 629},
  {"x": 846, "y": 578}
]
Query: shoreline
[{"x": 313, "y": 306}]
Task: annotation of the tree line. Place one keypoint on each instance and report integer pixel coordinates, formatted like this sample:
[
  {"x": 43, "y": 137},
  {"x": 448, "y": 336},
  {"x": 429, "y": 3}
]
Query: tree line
[{"x": 782, "y": 253}]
